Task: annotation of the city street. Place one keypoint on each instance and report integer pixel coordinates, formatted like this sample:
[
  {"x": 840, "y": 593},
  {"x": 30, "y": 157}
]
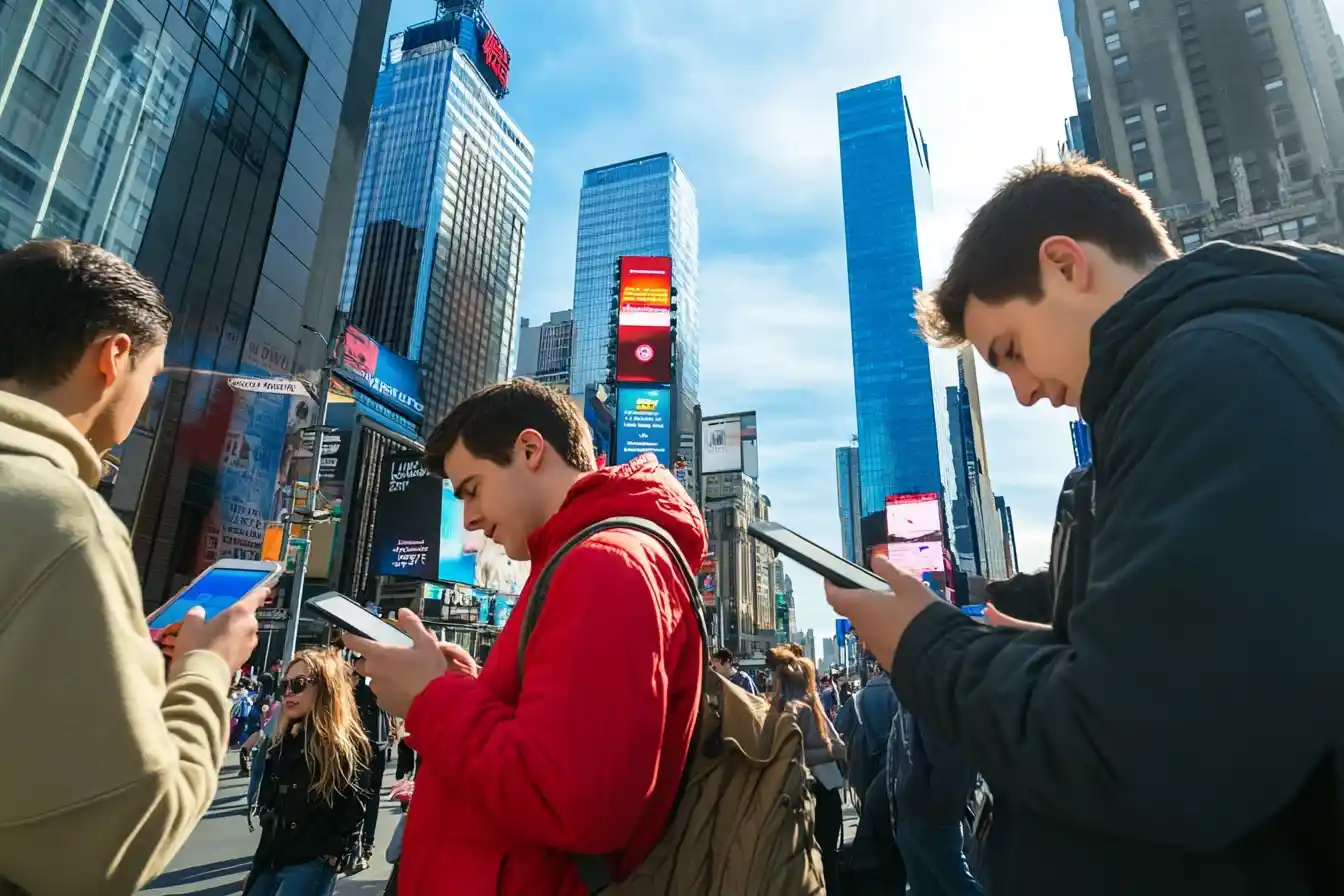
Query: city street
[{"x": 216, "y": 859}]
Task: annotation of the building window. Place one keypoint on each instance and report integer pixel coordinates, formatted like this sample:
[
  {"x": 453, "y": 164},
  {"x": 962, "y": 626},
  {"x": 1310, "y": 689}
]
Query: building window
[
  {"x": 1291, "y": 144},
  {"x": 1290, "y": 230},
  {"x": 1135, "y": 4},
  {"x": 1134, "y": 124},
  {"x": 1145, "y": 178},
  {"x": 1270, "y": 232},
  {"x": 1138, "y": 146},
  {"x": 1274, "y": 90},
  {"x": 1308, "y": 225},
  {"x": 1284, "y": 116},
  {"x": 1127, "y": 92},
  {"x": 1112, "y": 42},
  {"x": 1108, "y": 19},
  {"x": 1121, "y": 64},
  {"x": 1162, "y": 113},
  {"x": 1299, "y": 172},
  {"x": 1191, "y": 241},
  {"x": 1254, "y": 16},
  {"x": 1264, "y": 43}
]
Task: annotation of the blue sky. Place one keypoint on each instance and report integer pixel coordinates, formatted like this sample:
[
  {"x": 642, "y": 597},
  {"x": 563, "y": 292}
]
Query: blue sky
[{"x": 743, "y": 94}]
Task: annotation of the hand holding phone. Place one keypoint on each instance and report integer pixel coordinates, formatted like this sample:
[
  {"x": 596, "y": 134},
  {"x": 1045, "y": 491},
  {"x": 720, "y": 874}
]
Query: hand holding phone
[{"x": 231, "y": 635}]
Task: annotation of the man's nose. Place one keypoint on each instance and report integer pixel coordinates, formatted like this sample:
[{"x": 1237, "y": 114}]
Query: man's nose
[{"x": 1027, "y": 393}]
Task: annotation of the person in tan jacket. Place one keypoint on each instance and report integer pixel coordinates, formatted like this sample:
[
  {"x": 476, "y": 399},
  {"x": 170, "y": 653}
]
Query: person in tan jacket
[{"x": 110, "y": 764}]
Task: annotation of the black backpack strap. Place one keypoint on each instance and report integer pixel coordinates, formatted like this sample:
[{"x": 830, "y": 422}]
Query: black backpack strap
[{"x": 595, "y": 871}]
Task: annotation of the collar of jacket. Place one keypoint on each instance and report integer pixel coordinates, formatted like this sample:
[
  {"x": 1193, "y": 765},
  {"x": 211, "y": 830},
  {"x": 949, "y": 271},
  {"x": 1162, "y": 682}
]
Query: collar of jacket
[{"x": 31, "y": 428}]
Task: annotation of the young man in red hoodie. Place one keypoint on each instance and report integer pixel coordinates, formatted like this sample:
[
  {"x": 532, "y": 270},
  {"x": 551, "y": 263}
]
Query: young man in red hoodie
[{"x": 516, "y": 776}]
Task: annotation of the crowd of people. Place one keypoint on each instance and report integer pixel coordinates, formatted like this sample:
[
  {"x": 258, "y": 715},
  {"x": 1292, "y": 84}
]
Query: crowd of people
[{"x": 1157, "y": 711}]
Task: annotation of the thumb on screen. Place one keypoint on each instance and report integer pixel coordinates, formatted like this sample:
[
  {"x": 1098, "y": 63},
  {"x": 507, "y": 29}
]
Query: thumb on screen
[{"x": 410, "y": 623}]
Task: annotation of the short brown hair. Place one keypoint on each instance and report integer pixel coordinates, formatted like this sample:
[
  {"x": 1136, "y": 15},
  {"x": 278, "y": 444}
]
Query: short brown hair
[
  {"x": 490, "y": 421},
  {"x": 996, "y": 257}
]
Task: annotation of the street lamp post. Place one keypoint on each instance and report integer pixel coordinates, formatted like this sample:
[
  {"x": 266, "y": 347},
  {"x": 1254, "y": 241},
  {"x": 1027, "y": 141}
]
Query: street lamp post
[{"x": 308, "y": 513}]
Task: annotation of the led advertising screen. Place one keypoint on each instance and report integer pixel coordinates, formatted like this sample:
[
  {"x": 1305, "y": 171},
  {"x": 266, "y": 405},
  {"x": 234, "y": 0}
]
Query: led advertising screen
[
  {"x": 381, "y": 373},
  {"x": 722, "y": 448},
  {"x": 419, "y": 533},
  {"x": 915, "y": 532},
  {"x": 644, "y": 423},
  {"x": 644, "y": 320}
]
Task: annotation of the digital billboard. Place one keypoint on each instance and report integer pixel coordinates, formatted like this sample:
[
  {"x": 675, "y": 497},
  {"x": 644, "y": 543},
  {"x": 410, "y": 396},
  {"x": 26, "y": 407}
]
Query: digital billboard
[
  {"x": 915, "y": 532},
  {"x": 644, "y": 423},
  {"x": 381, "y": 373},
  {"x": 644, "y": 320},
  {"x": 707, "y": 580},
  {"x": 419, "y": 533},
  {"x": 728, "y": 444}
]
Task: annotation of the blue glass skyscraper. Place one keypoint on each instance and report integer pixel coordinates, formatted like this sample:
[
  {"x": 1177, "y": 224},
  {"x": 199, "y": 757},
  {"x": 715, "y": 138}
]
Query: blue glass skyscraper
[
  {"x": 1080, "y": 131},
  {"x": 884, "y": 169},
  {"x": 847, "y": 494},
  {"x": 644, "y": 206},
  {"x": 434, "y": 264}
]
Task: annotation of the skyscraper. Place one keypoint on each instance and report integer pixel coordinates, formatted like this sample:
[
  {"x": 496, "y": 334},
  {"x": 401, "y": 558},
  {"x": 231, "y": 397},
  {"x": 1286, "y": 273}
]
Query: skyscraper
[
  {"x": 744, "y": 614},
  {"x": 436, "y": 250},
  {"x": 215, "y": 146},
  {"x": 1224, "y": 113},
  {"x": 884, "y": 168},
  {"x": 1009, "y": 536},
  {"x": 1080, "y": 132},
  {"x": 848, "y": 500},
  {"x": 546, "y": 350},
  {"x": 645, "y": 207}
]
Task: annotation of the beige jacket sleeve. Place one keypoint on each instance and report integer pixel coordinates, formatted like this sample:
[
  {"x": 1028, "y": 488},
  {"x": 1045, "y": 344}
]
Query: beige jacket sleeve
[{"x": 108, "y": 768}]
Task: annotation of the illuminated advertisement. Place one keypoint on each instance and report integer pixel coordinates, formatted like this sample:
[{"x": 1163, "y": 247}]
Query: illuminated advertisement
[
  {"x": 728, "y": 444},
  {"x": 643, "y": 423},
  {"x": 707, "y": 580},
  {"x": 644, "y": 320},
  {"x": 381, "y": 373},
  {"x": 419, "y": 533},
  {"x": 915, "y": 532},
  {"x": 496, "y": 58}
]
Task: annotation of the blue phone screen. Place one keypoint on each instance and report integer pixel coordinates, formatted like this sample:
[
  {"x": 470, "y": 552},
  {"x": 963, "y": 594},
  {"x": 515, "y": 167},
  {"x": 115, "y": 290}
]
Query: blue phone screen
[
  {"x": 974, "y": 609},
  {"x": 217, "y": 590}
]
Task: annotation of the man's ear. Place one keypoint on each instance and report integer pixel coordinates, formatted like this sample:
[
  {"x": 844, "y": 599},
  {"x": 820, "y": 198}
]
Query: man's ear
[{"x": 530, "y": 447}]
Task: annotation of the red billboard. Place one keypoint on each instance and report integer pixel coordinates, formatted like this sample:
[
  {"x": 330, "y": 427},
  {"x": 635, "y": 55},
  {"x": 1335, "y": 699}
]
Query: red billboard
[
  {"x": 496, "y": 58},
  {"x": 644, "y": 320},
  {"x": 915, "y": 532}
]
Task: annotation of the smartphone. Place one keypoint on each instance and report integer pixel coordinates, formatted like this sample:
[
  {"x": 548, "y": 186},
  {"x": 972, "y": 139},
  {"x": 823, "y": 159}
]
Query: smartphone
[
  {"x": 976, "y": 612},
  {"x": 349, "y": 616},
  {"x": 836, "y": 570},
  {"x": 221, "y": 586}
]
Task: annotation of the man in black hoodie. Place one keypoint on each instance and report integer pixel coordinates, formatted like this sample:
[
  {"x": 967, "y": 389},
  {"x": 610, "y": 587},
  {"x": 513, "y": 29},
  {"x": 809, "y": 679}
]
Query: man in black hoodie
[{"x": 1183, "y": 733}]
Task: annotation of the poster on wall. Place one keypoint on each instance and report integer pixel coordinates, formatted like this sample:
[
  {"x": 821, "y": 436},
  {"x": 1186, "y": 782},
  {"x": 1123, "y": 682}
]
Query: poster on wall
[
  {"x": 643, "y": 423},
  {"x": 644, "y": 320}
]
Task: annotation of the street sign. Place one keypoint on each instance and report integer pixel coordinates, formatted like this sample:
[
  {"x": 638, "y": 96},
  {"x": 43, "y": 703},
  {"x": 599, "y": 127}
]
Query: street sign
[
  {"x": 273, "y": 385},
  {"x": 272, "y": 619}
]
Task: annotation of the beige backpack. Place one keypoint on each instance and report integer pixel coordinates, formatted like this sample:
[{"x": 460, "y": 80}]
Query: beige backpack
[{"x": 742, "y": 823}]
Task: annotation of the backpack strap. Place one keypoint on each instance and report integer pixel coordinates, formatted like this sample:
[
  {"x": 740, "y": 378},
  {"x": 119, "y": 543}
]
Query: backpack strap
[{"x": 595, "y": 871}]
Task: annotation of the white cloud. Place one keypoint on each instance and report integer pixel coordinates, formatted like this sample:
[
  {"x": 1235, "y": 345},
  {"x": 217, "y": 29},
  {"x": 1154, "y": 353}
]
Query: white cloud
[{"x": 744, "y": 95}]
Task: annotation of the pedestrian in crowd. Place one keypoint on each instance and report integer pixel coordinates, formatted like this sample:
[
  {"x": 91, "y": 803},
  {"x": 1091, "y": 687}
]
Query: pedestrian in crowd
[
  {"x": 84, "y": 338},
  {"x": 864, "y": 722},
  {"x": 795, "y": 690},
  {"x": 1214, "y": 386},
  {"x": 932, "y": 785},
  {"x": 268, "y": 684},
  {"x": 511, "y": 786},
  {"x": 830, "y": 698},
  {"x": 312, "y": 797},
  {"x": 376, "y": 728},
  {"x": 407, "y": 760},
  {"x": 723, "y": 663}
]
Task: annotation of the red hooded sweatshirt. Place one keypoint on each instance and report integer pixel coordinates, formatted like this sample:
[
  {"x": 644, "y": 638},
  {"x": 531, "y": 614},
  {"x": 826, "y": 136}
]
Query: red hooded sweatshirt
[{"x": 587, "y": 756}]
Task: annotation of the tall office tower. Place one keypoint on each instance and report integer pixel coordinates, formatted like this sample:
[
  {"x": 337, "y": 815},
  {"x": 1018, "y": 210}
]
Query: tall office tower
[
  {"x": 546, "y": 349},
  {"x": 641, "y": 207},
  {"x": 884, "y": 169},
  {"x": 1080, "y": 130},
  {"x": 829, "y": 654},
  {"x": 214, "y": 145},
  {"x": 784, "y": 606},
  {"x": 745, "y": 616},
  {"x": 848, "y": 500},
  {"x": 810, "y": 645},
  {"x": 436, "y": 250},
  {"x": 1082, "y": 441},
  {"x": 1218, "y": 111},
  {"x": 990, "y": 535},
  {"x": 1005, "y": 514}
]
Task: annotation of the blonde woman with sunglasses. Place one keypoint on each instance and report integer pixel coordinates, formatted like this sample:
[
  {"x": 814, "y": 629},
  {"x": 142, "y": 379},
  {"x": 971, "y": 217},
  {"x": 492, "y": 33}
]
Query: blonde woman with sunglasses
[{"x": 314, "y": 790}]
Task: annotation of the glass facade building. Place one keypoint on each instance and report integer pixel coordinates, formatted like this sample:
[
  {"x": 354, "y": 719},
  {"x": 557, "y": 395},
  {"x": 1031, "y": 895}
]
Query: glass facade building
[
  {"x": 214, "y": 144},
  {"x": 975, "y": 531},
  {"x": 434, "y": 265},
  {"x": 641, "y": 207},
  {"x": 848, "y": 499},
  {"x": 1080, "y": 133},
  {"x": 884, "y": 168}
]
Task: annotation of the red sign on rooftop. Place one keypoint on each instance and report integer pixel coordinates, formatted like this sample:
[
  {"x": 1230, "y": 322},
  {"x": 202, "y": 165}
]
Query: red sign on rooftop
[{"x": 496, "y": 57}]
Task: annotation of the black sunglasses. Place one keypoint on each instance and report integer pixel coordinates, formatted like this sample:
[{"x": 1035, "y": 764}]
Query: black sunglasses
[{"x": 296, "y": 686}]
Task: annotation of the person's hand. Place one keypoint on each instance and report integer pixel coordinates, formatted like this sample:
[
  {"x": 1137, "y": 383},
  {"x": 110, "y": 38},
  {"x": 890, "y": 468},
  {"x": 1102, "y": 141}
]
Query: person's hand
[
  {"x": 881, "y": 617},
  {"x": 996, "y": 618},
  {"x": 231, "y": 635},
  {"x": 459, "y": 659},
  {"x": 398, "y": 674}
]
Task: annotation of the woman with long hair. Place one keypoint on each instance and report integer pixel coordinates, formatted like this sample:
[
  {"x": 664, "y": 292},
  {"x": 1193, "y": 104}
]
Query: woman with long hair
[
  {"x": 313, "y": 792},
  {"x": 795, "y": 690}
]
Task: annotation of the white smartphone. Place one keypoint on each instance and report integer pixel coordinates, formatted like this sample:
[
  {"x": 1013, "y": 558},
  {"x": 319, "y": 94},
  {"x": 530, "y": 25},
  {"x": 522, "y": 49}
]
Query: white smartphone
[
  {"x": 349, "y": 616},
  {"x": 833, "y": 569},
  {"x": 221, "y": 586}
]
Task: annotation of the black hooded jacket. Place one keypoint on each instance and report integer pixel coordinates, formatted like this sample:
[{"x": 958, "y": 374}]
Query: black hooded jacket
[{"x": 1182, "y": 732}]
